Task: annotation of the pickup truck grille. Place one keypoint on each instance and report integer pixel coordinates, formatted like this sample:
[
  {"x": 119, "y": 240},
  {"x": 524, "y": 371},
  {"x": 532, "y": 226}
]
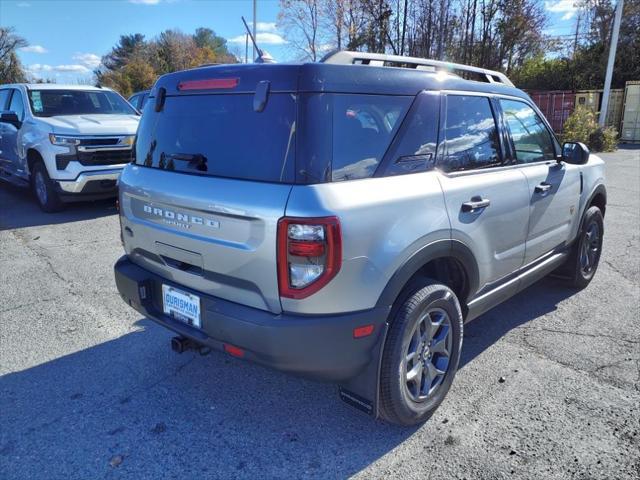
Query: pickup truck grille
[
  {"x": 107, "y": 157},
  {"x": 99, "y": 141},
  {"x": 97, "y": 151},
  {"x": 99, "y": 157}
]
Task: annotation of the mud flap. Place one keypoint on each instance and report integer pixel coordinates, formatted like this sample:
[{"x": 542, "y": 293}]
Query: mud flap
[{"x": 362, "y": 391}]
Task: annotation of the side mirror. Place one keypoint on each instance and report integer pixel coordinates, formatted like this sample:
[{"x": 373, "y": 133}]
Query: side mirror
[
  {"x": 11, "y": 118},
  {"x": 575, "y": 152}
]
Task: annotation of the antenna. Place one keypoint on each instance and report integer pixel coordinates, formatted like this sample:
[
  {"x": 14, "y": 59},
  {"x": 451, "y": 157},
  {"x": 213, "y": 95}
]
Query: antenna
[
  {"x": 253, "y": 40},
  {"x": 263, "y": 57}
]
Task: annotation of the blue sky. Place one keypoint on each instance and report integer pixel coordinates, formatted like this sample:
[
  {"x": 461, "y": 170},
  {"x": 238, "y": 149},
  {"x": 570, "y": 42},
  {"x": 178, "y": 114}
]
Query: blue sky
[{"x": 68, "y": 37}]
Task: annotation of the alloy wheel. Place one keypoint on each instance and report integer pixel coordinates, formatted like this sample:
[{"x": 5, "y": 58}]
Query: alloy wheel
[
  {"x": 590, "y": 249},
  {"x": 428, "y": 354}
]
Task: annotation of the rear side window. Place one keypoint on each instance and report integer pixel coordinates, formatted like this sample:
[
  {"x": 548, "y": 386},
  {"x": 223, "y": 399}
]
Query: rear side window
[
  {"x": 414, "y": 148},
  {"x": 531, "y": 139},
  {"x": 470, "y": 135},
  {"x": 221, "y": 135},
  {"x": 363, "y": 127}
]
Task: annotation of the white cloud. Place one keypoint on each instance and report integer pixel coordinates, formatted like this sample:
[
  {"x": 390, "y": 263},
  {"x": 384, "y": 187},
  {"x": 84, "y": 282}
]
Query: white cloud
[
  {"x": 263, "y": 38},
  {"x": 34, "y": 49},
  {"x": 265, "y": 27},
  {"x": 40, "y": 67},
  {"x": 145, "y": 2},
  {"x": 89, "y": 60},
  {"x": 568, "y": 7}
]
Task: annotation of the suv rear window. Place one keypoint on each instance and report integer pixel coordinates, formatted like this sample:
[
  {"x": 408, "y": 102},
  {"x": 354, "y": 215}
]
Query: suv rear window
[{"x": 221, "y": 135}]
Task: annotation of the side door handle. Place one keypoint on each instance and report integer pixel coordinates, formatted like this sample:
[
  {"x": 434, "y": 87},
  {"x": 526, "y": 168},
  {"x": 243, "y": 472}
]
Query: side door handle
[
  {"x": 543, "y": 187},
  {"x": 476, "y": 203}
]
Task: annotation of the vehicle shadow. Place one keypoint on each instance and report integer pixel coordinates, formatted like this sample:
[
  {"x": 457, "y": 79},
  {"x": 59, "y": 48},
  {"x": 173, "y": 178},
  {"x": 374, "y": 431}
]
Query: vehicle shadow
[
  {"x": 162, "y": 413},
  {"x": 18, "y": 209},
  {"x": 533, "y": 302}
]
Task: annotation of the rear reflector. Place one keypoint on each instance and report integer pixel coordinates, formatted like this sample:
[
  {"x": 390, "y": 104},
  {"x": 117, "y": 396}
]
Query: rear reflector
[
  {"x": 208, "y": 84},
  {"x": 306, "y": 249},
  {"x": 363, "y": 331},
  {"x": 233, "y": 350}
]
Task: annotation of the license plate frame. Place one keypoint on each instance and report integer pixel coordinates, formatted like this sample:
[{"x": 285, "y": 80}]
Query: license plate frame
[{"x": 182, "y": 306}]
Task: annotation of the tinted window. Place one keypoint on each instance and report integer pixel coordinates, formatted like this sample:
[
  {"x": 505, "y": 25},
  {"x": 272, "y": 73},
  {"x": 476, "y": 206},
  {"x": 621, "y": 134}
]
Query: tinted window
[
  {"x": 17, "y": 105},
  {"x": 471, "y": 137},
  {"x": 134, "y": 100},
  {"x": 143, "y": 100},
  {"x": 4, "y": 96},
  {"x": 221, "y": 135},
  {"x": 363, "y": 127},
  {"x": 48, "y": 103},
  {"x": 415, "y": 148},
  {"x": 532, "y": 140}
]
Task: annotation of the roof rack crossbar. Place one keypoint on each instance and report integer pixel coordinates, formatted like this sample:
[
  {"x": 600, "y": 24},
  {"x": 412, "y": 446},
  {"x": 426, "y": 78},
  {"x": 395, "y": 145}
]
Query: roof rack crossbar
[{"x": 381, "y": 59}]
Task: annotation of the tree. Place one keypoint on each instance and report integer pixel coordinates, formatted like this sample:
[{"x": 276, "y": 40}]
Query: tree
[
  {"x": 136, "y": 75},
  {"x": 11, "y": 70},
  {"x": 127, "y": 47},
  {"x": 300, "y": 19},
  {"x": 205, "y": 38},
  {"x": 134, "y": 63}
]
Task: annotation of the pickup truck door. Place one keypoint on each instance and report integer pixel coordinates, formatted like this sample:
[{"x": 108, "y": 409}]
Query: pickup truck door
[
  {"x": 5, "y": 93},
  {"x": 9, "y": 156},
  {"x": 554, "y": 187}
]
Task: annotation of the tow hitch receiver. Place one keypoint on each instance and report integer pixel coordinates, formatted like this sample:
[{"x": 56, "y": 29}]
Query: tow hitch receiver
[{"x": 182, "y": 344}]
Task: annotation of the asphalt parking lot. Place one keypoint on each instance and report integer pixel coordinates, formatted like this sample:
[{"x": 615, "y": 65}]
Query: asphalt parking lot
[{"x": 89, "y": 389}]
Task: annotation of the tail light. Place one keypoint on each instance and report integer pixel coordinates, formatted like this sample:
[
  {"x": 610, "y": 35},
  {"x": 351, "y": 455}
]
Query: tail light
[{"x": 309, "y": 254}]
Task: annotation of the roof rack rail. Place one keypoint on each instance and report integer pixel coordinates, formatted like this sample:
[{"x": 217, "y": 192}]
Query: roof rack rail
[{"x": 342, "y": 57}]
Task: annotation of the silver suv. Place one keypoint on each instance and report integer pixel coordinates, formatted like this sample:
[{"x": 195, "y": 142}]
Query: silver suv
[
  {"x": 342, "y": 220},
  {"x": 67, "y": 142}
]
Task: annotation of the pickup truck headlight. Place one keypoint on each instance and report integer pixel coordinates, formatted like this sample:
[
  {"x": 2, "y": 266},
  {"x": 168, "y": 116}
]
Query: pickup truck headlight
[
  {"x": 64, "y": 140},
  {"x": 127, "y": 141}
]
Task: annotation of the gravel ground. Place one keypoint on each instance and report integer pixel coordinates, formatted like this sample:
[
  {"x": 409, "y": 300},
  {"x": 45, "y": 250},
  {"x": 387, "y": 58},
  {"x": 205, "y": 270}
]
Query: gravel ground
[{"x": 89, "y": 390}]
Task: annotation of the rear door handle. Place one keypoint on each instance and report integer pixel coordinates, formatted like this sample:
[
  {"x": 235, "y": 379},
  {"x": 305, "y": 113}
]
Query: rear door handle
[
  {"x": 476, "y": 203},
  {"x": 543, "y": 187}
]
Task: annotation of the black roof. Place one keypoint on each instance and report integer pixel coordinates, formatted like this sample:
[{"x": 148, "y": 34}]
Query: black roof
[{"x": 321, "y": 77}]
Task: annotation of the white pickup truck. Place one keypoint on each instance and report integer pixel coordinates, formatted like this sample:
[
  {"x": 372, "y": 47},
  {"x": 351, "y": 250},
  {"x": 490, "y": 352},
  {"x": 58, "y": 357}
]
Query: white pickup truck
[{"x": 67, "y": 142}]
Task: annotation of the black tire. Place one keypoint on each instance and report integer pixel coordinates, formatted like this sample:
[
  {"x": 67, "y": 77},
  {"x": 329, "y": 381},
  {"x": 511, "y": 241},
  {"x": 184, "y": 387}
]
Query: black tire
[
  {"x": 399, "y": 397},
  {"x": 579, "y": 269},
  {"x": 44, "y": 189}
]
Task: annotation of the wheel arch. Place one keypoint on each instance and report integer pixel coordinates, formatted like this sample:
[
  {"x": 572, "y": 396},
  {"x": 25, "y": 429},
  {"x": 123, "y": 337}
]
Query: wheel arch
[
  {"x": 450, "y": 261},
  {"x": 598, "y": 198},
  {"x": 33, "y": 156}
]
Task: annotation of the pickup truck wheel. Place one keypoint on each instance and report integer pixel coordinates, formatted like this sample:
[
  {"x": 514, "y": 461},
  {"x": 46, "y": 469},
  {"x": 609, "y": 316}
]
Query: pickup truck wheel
[
  {"x": 421, "y": 354},
  {"x": 44, "y": 189},
  {"x": 585, "y": 255}
]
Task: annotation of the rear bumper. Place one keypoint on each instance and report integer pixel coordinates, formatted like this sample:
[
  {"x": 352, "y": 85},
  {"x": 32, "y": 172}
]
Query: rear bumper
[
  {"x": 92, "y": 183},
  {"x": 317, "y": 347}
]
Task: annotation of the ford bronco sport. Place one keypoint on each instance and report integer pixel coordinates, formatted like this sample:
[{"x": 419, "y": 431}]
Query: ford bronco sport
[
  {"x": 67, "y": 142},
  {"x": 341, "y": 220}
]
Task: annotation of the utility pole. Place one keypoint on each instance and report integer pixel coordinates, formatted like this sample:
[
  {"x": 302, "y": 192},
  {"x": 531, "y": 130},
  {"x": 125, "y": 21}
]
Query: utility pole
[
  {"x": 255, "y": 8},
  {"x": 612, "y": 59}
]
